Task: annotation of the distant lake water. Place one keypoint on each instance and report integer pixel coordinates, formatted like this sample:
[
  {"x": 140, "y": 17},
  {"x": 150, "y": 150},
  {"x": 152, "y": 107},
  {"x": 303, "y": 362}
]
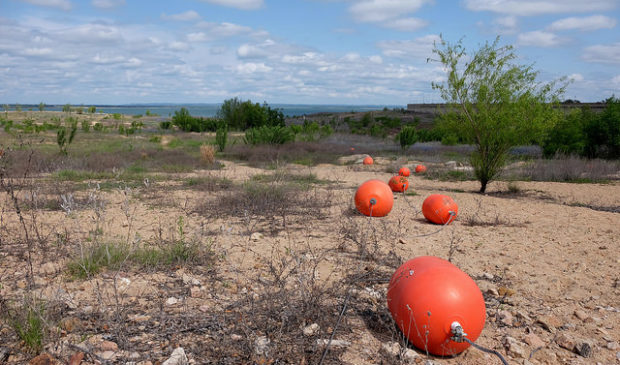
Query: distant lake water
[{"x": 210, "y": 110}]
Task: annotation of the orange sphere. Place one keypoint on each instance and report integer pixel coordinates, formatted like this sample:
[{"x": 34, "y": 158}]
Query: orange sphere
[
  {"x": 404, "y": 171},
  {"x": 426, "y": 296},
  {"x": 399, "y": 184},
  {"x": 368, "y": 160},
  {"x": 374, "y": 198},
  {"x": 440, "y": 209},
  {"x": 420, "y": 169}
]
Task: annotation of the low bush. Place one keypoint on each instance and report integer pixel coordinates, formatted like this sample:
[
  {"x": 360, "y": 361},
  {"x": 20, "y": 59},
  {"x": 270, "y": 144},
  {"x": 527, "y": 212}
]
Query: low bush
[{"x": 269, "y": 135}]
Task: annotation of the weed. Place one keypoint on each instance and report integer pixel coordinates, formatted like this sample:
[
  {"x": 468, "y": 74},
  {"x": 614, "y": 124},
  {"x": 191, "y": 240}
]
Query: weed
[{"x": 207, "y": 154}]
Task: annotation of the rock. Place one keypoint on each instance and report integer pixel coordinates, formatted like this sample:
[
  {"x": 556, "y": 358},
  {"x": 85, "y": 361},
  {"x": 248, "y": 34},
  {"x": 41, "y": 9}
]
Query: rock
[
  {"x": 108, "y": 346},
  {"x": 50, "y": 268},
  {"x": 565, "y": 342},
  {"x": 513, "y": 348},
  {"x": 618, "y": 355},
  {"x": 70, "y": 324},
  {"x": 177, "y": 357},
  {"x": 550, "y": 323},
  {"x": 311, "y": 330},
  {"x": 195, "y": 292},
  {"x": 612, "y": 345},
  {"x": 487, "y": 276},
  {"x": 190, "y": 280},
  {"x": 391, "y": 349},
  {"x": 236, "y": 337},
  {"x": 584, "y": 348},
  {"x": 43, "y": 359},
  {"x": 204, "y": 308},
  {"x": 256, "y": 236},
  {"x": 450, "y": 164},
  {"x": 411, "y": 356},
  {"x": 488, "y": 288},
  {"x": 581, "y": 315},
  {"x": 172, "y": 301},
  {"x": 261, "y": 345},
  {"x": 351, "y": 159},
  {"x": 107, "y": 355},
  {"x": 335, "y": 343},
  {"x": 505, "y": 318},
  {"x": 534, "y": 341}
]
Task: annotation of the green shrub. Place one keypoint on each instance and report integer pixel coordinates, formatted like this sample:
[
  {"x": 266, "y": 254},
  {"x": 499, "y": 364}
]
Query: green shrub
[
  {"x": 166, "y": 124},
  {"x": 64, "y": 136},
  {"x": 269, "y": 135},
  {"x": 407, "y": 137},
  {"x": 567, "y": 137},
  {"x": 85, "y": 126},
  {"x": 221, "y": 136},
  {"x": 185, "y": 122},
  {"x": 241, "y": 115}
]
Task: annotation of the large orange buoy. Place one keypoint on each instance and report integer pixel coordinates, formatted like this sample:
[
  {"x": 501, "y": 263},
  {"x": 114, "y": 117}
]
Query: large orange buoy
[
  {"x": 367, "y": 160},
  {"x": 404, "y": 171},
  {"x": 429, "y": 298},
  {"x": 440, "y": 209},
  {"x": 398, "y": 184},
  {"x": 374, "y": 198},
  {"x": 420, "y": 169}
]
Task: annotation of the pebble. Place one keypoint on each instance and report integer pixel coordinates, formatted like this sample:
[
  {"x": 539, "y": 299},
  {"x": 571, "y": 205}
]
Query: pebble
[
  {"x": 565, "y": 342},
  {"x": 261, "y": 345},
  {"x": 256, "y": 236},
  {"x": 391, "y": 349},
  {"x": 108, "y": 346},
  {"x": 236, "y": 337},
  {"x": 581, "y": 315},
  {"x": 311, "y": 330},
  {"x": 172, "y": 301},
  {"x": 584, "y": 349},
  {"x": 513, "y": 348},
  {"x": 612, "y": 345},
  {"x": 505, "y": 318},
  {"x": 550, "y": 322},
  {"x": 534, "y": 341},
  {"x": 335, "y": 343},
  {"x": 177, "y": 357}
]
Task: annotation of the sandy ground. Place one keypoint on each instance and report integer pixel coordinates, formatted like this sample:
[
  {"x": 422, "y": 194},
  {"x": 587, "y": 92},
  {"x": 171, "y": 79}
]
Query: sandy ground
[{"x": 547, "y": 262}]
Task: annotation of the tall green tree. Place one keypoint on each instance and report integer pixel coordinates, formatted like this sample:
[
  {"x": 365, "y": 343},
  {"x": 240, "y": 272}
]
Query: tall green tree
[
  {"x": 494, "y": 103},
  {"x": 41, "y": 106}
]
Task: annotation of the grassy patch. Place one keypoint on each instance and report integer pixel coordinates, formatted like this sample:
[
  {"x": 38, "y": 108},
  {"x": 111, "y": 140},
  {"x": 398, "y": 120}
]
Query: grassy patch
[{"x": 112, "y": 256}]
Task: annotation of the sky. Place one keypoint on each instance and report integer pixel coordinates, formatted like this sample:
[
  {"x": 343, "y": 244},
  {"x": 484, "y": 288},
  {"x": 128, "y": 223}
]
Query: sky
[{"x": 355, "y": 52}]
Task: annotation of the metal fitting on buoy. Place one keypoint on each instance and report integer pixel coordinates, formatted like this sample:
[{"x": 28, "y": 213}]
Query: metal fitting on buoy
[
  {"x": 373, "y": 201},
  {"x": 457, "y": 332}
]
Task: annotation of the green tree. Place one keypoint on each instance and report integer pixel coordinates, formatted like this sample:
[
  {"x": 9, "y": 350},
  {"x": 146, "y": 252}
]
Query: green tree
[
  {"x": 603, "y": 131},
  {"x": 66, "y": 108},
  {"x": 494, "y": 103},
  {"x": 41, "y": 106},
  {"x": 567, "y": 136},
  {"x": 92, "y": 109}
]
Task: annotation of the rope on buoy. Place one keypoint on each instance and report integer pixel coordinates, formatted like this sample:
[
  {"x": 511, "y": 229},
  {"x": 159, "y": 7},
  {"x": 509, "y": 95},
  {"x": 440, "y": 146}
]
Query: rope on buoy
[{"x": 459, "y": 335}]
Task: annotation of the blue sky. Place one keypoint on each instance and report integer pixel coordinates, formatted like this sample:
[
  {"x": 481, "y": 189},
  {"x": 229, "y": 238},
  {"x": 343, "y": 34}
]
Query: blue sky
[{"x": 288, "y": 51}]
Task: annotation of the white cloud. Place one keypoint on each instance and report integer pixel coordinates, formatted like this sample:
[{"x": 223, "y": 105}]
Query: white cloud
[
  {"x": 178, "y": 46},
  {"x": 406, "y": 24},
  {"x": 250, "y": 68},
  {"x": 536, "y": 7},
  {"x": 37, "y": 52},
  {"x": 58, "y": 4},
  {"x": 539, "y": 38},
  {"x": 389, "y": 13},
  {"x": 238, "y": 4},
  {"x": 108, "y": 4},
  {"x": 251, "y": 51},
  {"x": 218, "y": 30},
  {"x": 601, "y": 53},
  {"x": 376, "y": 59},
  {"x": 182, "y": 17},
  {"x": 575, "y": 77},
  {"x": 593, "y": 22},
  {"x": 506, "y": 24},
  {"x": 420, "y": 48},
  {"x": 616, "y": 80}
]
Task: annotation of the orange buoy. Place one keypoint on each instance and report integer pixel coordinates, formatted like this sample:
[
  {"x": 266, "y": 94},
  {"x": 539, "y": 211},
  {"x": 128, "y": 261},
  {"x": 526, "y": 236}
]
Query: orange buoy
[
  {"x": 399, "y": 184},
  {"x": 428, "y": 298},
  {"x": 404, "y": 171},
  {"x": 367, "y": 160},
  {"x": 420, "y": 169},
  {"x": 440, "y": 209},
  {"x": 374, "y": 198}
]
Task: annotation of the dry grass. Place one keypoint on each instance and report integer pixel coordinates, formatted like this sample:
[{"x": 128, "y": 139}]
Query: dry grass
[{"x": 207, "y": 154}]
